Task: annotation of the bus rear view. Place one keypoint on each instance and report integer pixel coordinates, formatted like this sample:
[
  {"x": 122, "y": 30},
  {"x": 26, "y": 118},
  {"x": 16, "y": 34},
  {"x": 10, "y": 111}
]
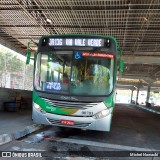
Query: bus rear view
[{"x": 74, "y": 81}]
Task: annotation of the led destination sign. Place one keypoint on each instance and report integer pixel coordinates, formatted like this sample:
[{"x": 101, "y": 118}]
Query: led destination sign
[
  {"x": 97, "y": 54},
  {"x": 86, "y": 42}
]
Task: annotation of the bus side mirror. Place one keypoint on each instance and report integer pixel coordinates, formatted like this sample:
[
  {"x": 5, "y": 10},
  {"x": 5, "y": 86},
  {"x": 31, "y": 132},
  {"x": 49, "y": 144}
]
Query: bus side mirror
[
  {"x": 28, "y": 56},
  {"x": 121, "y": 67}
]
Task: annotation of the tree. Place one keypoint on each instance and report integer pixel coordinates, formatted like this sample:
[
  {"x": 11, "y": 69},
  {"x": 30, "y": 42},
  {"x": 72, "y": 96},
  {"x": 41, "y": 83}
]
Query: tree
[{"x": 12, "y": 65}]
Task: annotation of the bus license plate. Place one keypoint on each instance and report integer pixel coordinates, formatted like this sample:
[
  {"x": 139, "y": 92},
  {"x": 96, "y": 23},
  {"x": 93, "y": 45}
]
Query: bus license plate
[{"x": 67, "y": 122}]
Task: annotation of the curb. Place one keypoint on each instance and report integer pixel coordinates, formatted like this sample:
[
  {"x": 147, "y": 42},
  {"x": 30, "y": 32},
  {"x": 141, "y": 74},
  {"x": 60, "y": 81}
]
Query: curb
[
  {"x": 148, "y": 109},
  {"x": 6, "y": 138}
]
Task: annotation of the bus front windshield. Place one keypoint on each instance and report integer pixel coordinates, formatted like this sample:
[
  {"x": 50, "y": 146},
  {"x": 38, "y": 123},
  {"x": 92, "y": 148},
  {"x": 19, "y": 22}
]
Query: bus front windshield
[{"x": 66, "y": 72}]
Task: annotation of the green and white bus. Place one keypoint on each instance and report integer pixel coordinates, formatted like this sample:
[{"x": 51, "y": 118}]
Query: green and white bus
[{"x": 74, "y": 81}]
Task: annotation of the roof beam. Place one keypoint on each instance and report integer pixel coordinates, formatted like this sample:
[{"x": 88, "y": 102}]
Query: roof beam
[
  {"x": 123, "y": 7},
  {"x": 77, "y": 26}
]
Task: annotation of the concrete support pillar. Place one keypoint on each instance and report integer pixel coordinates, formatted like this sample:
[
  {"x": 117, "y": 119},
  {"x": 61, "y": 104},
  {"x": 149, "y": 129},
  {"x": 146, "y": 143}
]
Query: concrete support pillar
[
  {"x": 148, "y": 93},
  {"x": 137, "y": 95},
  {"x": 132, "y": 94}
]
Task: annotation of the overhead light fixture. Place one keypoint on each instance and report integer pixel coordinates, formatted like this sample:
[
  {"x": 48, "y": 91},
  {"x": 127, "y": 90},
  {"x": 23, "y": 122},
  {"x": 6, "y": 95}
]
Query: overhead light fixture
[
  {"x": 145, "y": 18},
  {"x": 49, "y": 21},
  {"x": 138, "y": 39}
]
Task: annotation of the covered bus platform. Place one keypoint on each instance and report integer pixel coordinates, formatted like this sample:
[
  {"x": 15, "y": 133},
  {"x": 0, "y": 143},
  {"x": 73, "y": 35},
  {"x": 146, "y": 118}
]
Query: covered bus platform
[{"x": 134, "y": 23}]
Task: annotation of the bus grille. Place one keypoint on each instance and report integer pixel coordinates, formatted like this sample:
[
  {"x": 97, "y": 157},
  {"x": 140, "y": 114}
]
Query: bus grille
[
  {"x": 76, "y": 124},
  {"x": 69, "y": 104}
]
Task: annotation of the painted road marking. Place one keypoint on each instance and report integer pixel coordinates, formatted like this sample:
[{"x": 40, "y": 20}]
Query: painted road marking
[
  {"x": 148, "y": 109},
  {"x": 104, "y": 145}
]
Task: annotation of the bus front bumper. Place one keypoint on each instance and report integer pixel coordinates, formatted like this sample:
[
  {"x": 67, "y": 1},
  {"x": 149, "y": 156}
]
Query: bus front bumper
[{"x": 84, "y": 123}]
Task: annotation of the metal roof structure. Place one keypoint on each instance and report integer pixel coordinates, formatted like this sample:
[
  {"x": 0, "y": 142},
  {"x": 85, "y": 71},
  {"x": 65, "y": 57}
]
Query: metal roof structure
[{"x": 134, "y": 23}]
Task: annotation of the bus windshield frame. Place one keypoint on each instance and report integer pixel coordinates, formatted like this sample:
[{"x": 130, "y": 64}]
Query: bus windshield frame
[{"x": 65, "y": 73}]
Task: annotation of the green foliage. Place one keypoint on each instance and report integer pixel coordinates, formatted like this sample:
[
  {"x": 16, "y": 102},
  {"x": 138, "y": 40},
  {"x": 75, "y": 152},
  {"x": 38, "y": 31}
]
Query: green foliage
[
  {"x": 10, "y": 62},
  {"x": 29, "y": 70},
  {"x": 2, "y": 63},
  {"x": 2, "y": 59},
  {"x": 14, "y": 64}
]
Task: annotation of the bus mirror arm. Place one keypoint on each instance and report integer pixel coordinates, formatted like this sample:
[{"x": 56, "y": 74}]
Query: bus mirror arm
[
  {"x": 28, "y": 54},
  {"x": 121, "y": 66},
  {"x": 28, "y": 57},
  {"x": 120, "y": 50},
  {"x": 121, "y": 62}
]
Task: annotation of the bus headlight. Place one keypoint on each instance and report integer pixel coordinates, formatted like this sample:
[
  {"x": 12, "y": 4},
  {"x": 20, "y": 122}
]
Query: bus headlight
[
  {"x": 37, "y": 107},
  {"x": 102, "y": 114}
]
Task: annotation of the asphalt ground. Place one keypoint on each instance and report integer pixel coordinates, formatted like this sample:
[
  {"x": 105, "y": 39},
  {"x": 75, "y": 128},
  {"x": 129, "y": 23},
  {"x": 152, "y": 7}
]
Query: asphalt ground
[{"x": 133, "y": 130}]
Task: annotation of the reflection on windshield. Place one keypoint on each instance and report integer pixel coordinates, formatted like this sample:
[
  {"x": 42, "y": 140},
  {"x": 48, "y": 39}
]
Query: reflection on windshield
[
  {"x": 92, "y": 76},
  {"x": 61, "y": 72}
]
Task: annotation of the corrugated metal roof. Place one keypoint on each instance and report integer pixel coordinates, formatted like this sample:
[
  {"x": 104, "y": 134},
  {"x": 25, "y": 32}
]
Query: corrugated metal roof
[{"x": 134, "y": 23}]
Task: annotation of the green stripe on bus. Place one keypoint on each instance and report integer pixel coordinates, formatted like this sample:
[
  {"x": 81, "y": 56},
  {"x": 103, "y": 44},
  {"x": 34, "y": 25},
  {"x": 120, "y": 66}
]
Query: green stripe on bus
[{"x": 50, "y": 108}]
